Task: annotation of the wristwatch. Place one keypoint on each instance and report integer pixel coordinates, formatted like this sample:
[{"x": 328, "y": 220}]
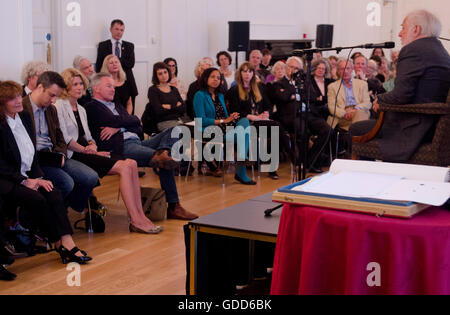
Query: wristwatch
[{"x": 222, "y": 121}]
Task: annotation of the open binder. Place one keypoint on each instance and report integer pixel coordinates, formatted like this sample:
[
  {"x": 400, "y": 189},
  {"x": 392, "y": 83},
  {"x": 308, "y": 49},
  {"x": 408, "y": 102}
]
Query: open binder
[{"x": 387, "y": 189}]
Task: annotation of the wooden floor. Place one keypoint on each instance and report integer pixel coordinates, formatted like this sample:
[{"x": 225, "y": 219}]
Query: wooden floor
[{"x": 126, "y": 263}]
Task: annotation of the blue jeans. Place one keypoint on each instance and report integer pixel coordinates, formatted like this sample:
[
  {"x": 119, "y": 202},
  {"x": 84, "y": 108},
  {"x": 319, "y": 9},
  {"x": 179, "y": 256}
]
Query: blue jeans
[
  {"x": 75, "y": 181},
  {"x": 143, "y": 151}
]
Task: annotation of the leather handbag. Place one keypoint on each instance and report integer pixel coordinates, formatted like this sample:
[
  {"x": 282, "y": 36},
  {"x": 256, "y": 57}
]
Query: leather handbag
[{"x": 154, "y": 203}]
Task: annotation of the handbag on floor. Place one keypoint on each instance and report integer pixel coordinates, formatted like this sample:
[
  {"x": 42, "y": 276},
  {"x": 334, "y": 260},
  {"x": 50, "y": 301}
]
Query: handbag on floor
[{"x": 154, "y": 203}]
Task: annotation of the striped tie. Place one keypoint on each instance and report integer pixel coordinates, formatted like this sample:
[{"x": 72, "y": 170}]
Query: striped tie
[{"x": 117, "y": 50}]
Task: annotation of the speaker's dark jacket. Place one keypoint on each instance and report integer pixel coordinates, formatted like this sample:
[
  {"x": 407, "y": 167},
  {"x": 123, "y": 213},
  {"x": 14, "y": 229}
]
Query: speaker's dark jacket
[
  {"x": 99, "y": 116},
  {"x": 127, "y": 59},
  {"x": 423, "y": 77},
  {"x": 10, "y": 160}
]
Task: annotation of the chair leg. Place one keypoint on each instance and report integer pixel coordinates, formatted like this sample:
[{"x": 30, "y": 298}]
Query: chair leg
[{"x": 89, "y": 228}]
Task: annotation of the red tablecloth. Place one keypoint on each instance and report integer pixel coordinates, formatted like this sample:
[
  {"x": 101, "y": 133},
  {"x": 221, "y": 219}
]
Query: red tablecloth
[{"x": 322, "y": 251}]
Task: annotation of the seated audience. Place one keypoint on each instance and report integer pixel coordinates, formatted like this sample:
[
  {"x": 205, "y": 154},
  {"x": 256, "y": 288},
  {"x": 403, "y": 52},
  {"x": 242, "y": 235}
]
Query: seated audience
[
  {"x": 166, "y": 104},
  {"x": 30, "y": 73},
  {"x": 319, "y": 93},
  {"x": 377, "y": 52},
  {"x": 124, "y": 94},
  {"x": 224, "y": 62},
  {"x": 74, "y": 179},
  {"x": 202, "y": 65},
  {"x": 249, "y": 100},
  {"x": 116, "y": 131},
  {"x": 266, "y": 59},
  {"x": 363, "y": 72},
  {"x": 333, "y": 63},
  {"x": 209, "y": 105},
  {"x": 390, "y": 84},
  {"x": 352, "y": 104},
  {"x": 86, "y": 67},
  {"x": 176, "y": 82},
  {"x": 21, "y": 183},
  {"x": 255, "y": 59},
  {"x": 82, "y": 147},
  {"x": 379, "y": 62},
  {"x": 394, "y": 58}
]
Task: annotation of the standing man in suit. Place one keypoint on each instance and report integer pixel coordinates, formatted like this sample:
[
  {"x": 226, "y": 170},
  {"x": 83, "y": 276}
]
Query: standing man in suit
[
  {"x": 123, "y": 50},
  {"x": 423, "y": 76}
]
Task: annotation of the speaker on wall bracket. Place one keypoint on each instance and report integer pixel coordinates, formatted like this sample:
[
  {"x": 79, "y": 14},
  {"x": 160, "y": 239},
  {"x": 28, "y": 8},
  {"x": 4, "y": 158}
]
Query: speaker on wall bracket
[{"x": 324, "y": 38}]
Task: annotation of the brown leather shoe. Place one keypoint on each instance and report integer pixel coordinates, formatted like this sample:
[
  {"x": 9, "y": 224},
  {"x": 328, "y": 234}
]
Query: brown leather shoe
[
  {"x": 179, "y": 213},
  {"x": 161, "y": 159}
]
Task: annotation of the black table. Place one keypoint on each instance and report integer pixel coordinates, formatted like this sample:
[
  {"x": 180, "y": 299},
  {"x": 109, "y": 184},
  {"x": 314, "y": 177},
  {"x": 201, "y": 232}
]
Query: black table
[{"x": 245, "y": 221}]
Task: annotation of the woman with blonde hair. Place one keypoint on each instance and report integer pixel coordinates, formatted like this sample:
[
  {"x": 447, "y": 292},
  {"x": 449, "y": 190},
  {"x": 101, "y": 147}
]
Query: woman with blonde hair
[
  {"x": 124, "y": 91},
  {"x": 81, "y": 147}
]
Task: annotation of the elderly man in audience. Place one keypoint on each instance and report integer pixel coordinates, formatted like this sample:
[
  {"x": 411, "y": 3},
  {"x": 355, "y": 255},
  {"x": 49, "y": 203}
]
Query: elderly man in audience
[
  {"x": 361, "y": 70},
  {"x": 118, "y": 132},
  {"x": 352, "y": 104},
  {"x": 74, "y": 179},
  {"x": 30, "y": 74},
  {"x": 85, "y": 66},
  {"x": 423, "y": 76}
]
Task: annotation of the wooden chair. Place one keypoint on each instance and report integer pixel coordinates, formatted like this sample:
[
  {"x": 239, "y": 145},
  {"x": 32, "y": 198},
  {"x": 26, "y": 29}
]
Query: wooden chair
[{"x": 436, "y": 153}]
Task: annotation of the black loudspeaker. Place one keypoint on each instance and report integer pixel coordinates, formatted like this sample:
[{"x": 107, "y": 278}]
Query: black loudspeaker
[
  {"x": 239, "y": 36},
  {"x": 324, "y": 37}
]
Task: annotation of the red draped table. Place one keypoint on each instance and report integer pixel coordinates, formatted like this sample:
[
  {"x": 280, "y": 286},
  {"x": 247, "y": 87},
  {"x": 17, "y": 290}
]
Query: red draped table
[{"x": 321, "y": 251}]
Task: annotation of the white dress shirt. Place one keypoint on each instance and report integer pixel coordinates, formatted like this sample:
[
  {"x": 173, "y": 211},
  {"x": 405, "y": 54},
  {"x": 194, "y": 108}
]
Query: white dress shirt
[{"x": 24, "y": 143}]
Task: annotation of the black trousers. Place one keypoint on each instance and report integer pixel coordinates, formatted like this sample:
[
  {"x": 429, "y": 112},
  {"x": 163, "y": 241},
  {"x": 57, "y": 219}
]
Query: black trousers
[{"x": 40, "y": 211}]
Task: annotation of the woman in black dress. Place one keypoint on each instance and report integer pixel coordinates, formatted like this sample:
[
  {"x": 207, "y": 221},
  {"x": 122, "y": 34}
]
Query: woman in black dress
[
  {"x": 82, "y": 147},
  {"x": 124, "y": 91}
]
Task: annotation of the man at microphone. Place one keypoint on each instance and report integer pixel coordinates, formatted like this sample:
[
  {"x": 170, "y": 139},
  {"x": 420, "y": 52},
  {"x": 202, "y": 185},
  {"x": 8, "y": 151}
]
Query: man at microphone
[{"x": 423, "y": 76}]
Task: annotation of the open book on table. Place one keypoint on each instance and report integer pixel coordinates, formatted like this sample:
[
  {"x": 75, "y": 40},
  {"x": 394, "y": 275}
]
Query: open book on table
[{"x": 383, "y": 188}]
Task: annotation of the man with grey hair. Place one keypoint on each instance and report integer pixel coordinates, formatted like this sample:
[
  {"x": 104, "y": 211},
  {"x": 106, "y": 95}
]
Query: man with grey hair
[
  {"x": 85, "y": 66},
  {"x": 30, "y": 74},
  {"x": 423, "y": 76},
  {"x": 349, "y": 103}
]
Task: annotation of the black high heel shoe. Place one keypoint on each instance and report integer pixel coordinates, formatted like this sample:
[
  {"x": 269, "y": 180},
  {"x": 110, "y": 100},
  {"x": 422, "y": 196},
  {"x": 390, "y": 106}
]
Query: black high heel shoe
[{"x": 70, "y": 256}]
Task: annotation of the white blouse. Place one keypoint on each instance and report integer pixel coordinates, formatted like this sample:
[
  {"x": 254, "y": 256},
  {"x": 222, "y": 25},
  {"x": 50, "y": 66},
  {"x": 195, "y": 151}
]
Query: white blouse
[{"x": 24, "y": 143}]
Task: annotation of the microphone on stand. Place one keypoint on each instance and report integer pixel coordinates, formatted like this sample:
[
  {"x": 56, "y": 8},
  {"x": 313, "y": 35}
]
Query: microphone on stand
[{"x": 387, "y": 45}]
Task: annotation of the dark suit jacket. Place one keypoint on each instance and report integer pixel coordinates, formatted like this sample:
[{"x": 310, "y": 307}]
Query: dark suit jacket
[
  {"x": 54, "y": 130},
  {"x": 10, "y": 160},
  {"x": 423, "y": 77},
  {"x": 281, "y": 94},
  {"x": 319, "y": 108},
  {"x": 127, "y": 60},
  {"x": 99, "y": 116}
]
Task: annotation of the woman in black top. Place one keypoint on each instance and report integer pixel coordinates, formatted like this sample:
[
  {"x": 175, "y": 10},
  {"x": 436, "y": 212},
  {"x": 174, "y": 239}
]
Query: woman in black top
[
  {"x": 21, "y": 182},
  {"x": 124, "y": 91},
  {"x": 165, "y": 101}
]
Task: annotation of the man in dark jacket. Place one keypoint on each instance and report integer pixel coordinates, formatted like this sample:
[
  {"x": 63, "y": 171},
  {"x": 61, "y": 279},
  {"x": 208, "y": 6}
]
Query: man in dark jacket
[
  {"x": 423, "y": 76},
  {"x": 115, "y": 131},
  {"x": 123, "y": 50}
]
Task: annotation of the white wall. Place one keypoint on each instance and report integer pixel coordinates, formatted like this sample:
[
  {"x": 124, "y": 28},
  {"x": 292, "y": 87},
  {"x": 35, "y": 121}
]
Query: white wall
[{"x": 16, "y": 37}]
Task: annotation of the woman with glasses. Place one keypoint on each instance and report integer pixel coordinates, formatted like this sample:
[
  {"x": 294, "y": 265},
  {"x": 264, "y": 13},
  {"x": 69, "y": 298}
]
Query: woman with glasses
[{"x": 176, "y": 82}]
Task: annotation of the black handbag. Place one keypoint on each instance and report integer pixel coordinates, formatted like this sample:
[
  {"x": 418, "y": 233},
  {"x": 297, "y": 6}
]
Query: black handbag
[{"x": 98, "y": 225}]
